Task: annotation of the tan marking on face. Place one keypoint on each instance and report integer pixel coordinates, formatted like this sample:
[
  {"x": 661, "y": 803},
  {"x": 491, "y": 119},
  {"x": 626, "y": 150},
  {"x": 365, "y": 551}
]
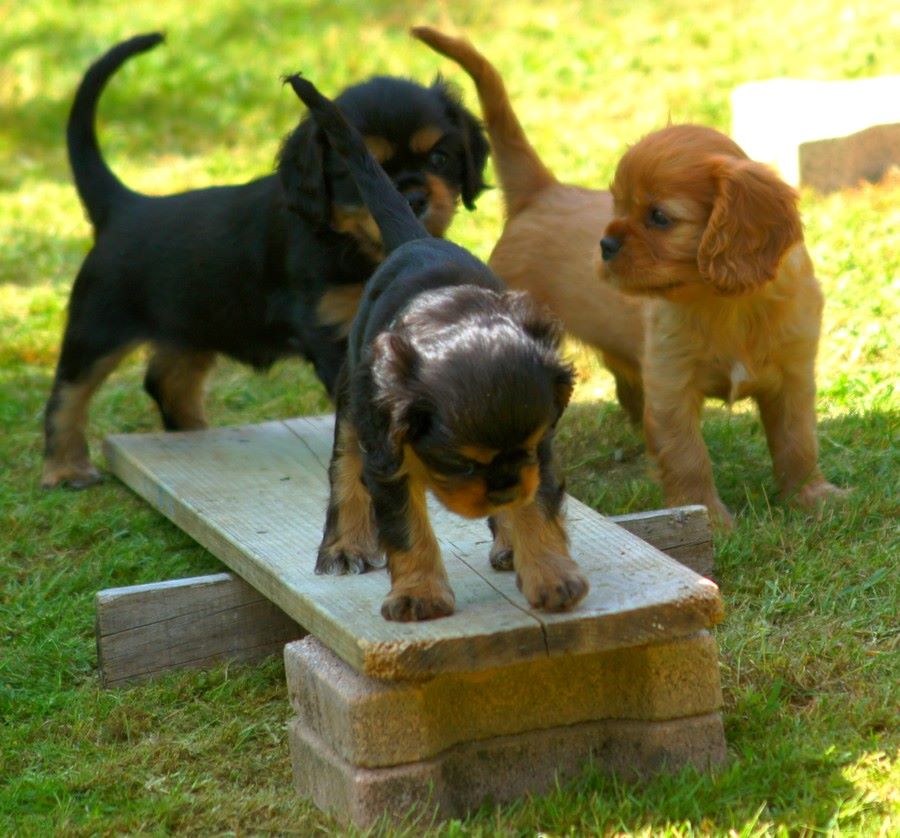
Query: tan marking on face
[
  {"x": 465, "y": 497},
  {"x": 529, "y": 480},
  {"x": 425, "y": 139},
  {"x": 442, "y": 200},
  {"x": 338, "y": 307},
  {"x": 382, "y": 149},
  {"x": 358, "y": 222},
  {"x": 531, "y": 443},
  {"x": 480, "y": 455},
  {"x": 468, "y": 499}
]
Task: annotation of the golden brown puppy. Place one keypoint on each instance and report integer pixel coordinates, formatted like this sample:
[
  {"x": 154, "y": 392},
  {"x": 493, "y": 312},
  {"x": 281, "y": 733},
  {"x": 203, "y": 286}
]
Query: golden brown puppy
[
  {"x": 715, "y": 243},
  {"x": 761, "y": 344},
  {"x": 550, "y": 237}
]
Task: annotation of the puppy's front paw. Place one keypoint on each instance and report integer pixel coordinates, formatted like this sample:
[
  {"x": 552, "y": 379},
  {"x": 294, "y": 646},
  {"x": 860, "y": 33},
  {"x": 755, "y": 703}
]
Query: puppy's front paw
[
  {"x": 424, "y": 602},
  {"x": 554, "y": 583},
  {"x": 339, "y": 560},
  {"x": 817, "y": 493},
  {"x": 73, "y": 475},
  {"x": 501, "y": 558},
  {"x": 501, "y": 555}
]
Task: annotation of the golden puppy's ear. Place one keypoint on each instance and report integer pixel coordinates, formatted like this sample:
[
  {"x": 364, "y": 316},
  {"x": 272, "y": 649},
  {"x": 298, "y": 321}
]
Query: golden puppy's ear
[{"x": 754, "y": 221}]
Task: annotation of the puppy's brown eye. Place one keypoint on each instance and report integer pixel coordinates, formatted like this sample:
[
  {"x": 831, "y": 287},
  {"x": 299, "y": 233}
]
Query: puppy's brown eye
[
  {"x": 657, "y": 218},
  {"x": 438, "y": 159}
]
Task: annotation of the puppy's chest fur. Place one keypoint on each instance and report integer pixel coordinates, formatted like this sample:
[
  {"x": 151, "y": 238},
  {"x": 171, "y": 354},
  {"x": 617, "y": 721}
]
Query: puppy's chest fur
[{"x": 732, "y": 348}]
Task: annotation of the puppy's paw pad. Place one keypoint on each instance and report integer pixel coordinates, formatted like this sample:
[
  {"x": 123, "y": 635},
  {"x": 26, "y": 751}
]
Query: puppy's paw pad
[
  {"x": 501, "y": 559},
  {"x": 408, "y": 608},
  {"x": 335, "y": 561}
]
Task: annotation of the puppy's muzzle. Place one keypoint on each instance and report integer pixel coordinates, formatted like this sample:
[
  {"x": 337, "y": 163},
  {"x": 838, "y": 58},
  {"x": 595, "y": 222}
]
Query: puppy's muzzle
[
  {"x": 503, "y": 490},
  {"x": 609, "y": 247},
  {"x": 504, "y": 497},
  {"x": 414, "y": 189}
]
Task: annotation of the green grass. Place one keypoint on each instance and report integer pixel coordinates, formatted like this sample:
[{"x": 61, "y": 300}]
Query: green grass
[{"x": 809, "y": 644}]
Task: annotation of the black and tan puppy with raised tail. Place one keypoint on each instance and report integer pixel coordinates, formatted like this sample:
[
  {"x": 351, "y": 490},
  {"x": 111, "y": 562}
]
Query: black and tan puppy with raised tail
[
  {"x": 451, "y": 385},
  {"x": 259, "y": 271}
]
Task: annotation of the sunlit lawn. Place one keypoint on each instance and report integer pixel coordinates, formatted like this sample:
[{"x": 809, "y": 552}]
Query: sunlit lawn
[{"x": 809, "y": 644}]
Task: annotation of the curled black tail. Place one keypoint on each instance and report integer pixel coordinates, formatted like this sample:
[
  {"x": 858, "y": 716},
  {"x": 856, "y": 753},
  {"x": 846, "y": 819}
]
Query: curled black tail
[
  {"x": 389, "y": 208},
  {"x": 97, "y": 186}
]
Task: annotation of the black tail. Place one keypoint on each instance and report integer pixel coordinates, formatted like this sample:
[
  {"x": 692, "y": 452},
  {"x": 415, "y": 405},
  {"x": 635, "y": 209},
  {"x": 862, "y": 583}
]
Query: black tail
[
  {"x": 97, "y": 186},
  {"x": 391, "y": 211}
]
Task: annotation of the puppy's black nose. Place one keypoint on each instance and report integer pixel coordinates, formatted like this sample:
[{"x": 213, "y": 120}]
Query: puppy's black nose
[
  {"x": 609, "y": 247},
  {"x": 418, "y": 201},
  {"x": 500, "y": 497}
]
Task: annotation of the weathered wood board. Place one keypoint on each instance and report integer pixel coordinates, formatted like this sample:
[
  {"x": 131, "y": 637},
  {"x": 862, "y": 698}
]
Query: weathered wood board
[
  {"x": 255, "y": 497},
  {"x": 148, "y": 630},
  {"x": 145, "y": 630}
]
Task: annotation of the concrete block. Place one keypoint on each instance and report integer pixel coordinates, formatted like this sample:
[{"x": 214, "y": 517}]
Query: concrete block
[
  {"x": 500, "y": 769},
  {"x": 824, "y": 134},
  {"x": 375, "y": 723}
]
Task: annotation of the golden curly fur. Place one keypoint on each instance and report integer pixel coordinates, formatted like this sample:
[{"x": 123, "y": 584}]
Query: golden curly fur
[{"x": 705, "y": 287}]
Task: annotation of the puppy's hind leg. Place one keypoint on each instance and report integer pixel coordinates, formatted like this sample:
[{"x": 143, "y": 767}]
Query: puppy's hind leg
[
  {"x": 350, "y": 541},
  {"x": 174, "y": 380},
  {"x": 629, "y": 390},
  {"x": 82, "y": 368}
]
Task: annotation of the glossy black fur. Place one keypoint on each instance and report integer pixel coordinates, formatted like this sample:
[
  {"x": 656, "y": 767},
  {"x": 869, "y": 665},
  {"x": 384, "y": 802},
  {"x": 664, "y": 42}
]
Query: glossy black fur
[
  {"x": 239, "y": 269},
  {"x": 441, "y": 357}
]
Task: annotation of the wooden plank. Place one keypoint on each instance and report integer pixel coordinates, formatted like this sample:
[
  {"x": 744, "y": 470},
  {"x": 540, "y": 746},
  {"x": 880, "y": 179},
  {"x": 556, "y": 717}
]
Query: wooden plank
[
  {"x": 256, "y": 495},
  {"x": 195, "y": 623},
  {"x": 146, "y": 630},
  {"x": 682, "y": 533}
]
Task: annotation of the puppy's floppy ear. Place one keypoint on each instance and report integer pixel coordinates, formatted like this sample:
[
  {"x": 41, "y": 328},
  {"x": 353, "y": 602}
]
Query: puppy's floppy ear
[
  {"x": 395, "y": 364},
  {"x": 546, "y": 330},
  {"x": 301, "y": 167},
  {"x": 475, "y": 144},
  {"x": 753, "y": 223}
]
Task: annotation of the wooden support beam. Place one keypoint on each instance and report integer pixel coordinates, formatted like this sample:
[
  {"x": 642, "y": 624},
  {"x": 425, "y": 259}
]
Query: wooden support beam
[
  {"x": 682, "y": 533},
  {"x": 145, "y": 630},
  {"x": 256, "y": 495}
]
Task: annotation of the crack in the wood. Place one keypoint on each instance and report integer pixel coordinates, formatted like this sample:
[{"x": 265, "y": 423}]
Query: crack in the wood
[
  {"x": 306, "y": 445},
  {"x": 458, "y": 553}
]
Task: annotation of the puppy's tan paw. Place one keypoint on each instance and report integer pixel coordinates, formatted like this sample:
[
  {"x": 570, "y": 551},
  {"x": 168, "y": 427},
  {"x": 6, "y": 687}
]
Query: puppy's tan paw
[
  {"x": 73, "y": 475},
  {"x": 814, "y": 495},
  {"x": 426, "y": 602},
  {"x": 553, "y": 584},
  {"x": 501, "y": 557},
  {"x": 338, "y": 560}
]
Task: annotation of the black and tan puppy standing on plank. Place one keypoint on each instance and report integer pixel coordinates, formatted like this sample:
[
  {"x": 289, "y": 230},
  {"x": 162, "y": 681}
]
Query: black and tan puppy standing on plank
[
  {"x": 451, "y": 384},
  {"x": 258, "y": 271}
]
